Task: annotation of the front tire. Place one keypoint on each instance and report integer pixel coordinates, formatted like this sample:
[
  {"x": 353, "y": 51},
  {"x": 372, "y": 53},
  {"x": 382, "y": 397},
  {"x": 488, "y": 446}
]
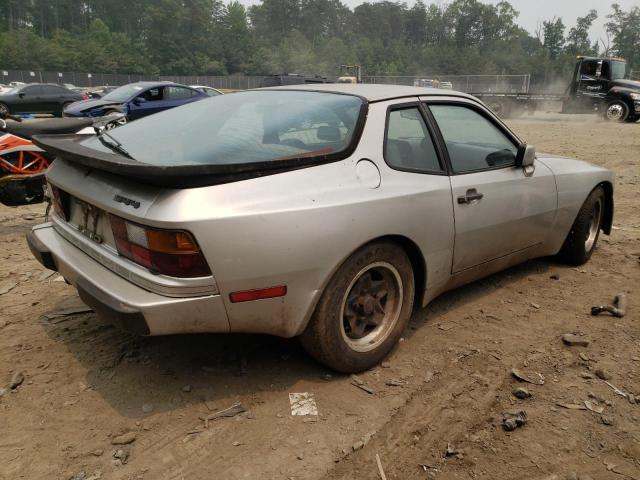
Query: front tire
[
  {"x": 583, "y": 236},
  {"x": 616, "y": 111},
  {"x": 363, "y": 310}
]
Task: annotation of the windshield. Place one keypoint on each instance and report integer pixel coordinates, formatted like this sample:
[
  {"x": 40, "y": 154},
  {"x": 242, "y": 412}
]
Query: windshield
[
  {"x": 242, "y": 127},
  {"x": 617, "y": 70},
  {"x": 123, "y": 93}
]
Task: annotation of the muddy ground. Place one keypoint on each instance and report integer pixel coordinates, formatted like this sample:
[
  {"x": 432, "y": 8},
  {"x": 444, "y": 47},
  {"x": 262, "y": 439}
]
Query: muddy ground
[{"x": 86, "y": 383}]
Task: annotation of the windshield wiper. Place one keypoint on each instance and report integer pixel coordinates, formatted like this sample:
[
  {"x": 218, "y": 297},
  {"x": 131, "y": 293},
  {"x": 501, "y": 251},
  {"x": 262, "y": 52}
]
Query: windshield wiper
[{"x": 114, "y": 145}]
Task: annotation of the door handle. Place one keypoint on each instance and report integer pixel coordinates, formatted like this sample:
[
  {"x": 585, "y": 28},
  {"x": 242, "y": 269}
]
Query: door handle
[{"x": 471, "y": 195}]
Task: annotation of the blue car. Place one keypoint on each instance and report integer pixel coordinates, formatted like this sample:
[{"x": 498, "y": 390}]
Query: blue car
[{"x": 136, "y": 100}]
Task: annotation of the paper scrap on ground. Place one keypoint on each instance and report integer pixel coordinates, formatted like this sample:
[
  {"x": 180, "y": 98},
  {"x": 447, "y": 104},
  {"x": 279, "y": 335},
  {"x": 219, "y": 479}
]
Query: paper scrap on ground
[{"x": 303, "y": 404}]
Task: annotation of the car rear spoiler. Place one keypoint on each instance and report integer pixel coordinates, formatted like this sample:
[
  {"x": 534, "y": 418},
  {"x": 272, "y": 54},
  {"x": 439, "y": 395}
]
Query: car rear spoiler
[{"x": 69, "y": 148}]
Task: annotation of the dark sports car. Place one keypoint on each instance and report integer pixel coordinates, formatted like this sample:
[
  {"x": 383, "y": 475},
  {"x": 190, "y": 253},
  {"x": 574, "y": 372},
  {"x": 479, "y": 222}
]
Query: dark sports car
[
  {"x": 38, "y": 98},
  {"x": 136, "y": 100}
]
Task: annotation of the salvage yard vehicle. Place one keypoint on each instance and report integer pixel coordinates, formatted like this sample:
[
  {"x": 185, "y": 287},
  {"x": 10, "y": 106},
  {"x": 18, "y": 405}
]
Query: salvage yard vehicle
[
  {"x": 136, "y": 100},
  {"x": 598, "y": 85},
  {"x": 23, "y": 164},
  {"x": 38, "y": 98},
  {"x": 320, "y": 211}
]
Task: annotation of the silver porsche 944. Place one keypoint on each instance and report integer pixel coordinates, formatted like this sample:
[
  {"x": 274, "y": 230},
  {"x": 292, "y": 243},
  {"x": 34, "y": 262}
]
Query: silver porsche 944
[{"x": 327, "y": 212}]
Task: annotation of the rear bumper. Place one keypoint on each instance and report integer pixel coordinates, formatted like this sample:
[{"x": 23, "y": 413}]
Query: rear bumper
[{"x": 120, "y": 301}]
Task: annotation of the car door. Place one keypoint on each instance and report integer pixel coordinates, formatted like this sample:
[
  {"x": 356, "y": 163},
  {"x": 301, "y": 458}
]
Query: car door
[
  {"x": 147, "y": 102},
  {"x": 499, "y": 209},
  {"x": 29, "y": 100},
  {"x": 53, "y": 97}
]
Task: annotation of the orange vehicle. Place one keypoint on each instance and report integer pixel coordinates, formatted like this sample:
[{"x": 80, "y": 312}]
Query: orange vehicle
[{"x": 23, "y": 164}]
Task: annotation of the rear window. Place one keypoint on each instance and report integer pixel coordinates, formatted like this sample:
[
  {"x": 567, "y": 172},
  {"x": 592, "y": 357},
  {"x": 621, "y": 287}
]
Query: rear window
[{"x": 243, "y": 127}]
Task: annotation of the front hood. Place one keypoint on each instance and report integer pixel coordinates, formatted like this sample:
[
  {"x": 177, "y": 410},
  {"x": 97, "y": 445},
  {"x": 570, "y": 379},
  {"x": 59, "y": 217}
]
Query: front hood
[
  {"x": 630, "y": 84},
  {"x": 560, "y": 165},
  {"x": 86, "y": 105}
]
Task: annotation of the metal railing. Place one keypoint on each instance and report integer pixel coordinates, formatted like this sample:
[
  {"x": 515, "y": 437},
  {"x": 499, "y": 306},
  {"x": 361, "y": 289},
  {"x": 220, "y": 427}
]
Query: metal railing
[{"x": 463, "y": 83}]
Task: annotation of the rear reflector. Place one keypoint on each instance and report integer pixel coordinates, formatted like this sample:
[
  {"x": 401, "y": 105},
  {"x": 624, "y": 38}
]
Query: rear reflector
[
  {"x": 248, "y": 295},
  {"x": 170, "y": 252}
]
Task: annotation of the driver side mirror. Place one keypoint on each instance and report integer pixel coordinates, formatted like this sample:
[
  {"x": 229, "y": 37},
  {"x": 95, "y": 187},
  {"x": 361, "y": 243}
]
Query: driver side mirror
[
  {"x": 139, "y": 100},
  {"x": 21, "y": 94},
  {"x": 526, "y": 155}
]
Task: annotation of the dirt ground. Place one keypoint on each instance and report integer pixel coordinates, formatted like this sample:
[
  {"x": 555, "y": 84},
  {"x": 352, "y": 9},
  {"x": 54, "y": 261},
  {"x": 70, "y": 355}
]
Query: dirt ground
[{"x": 447, "y": 384}]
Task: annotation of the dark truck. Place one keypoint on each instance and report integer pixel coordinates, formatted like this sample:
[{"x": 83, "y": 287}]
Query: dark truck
[{"x": 598, "y": 85}]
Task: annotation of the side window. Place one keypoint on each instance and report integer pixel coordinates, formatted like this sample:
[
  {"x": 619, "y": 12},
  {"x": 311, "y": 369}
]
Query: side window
[
  {"x": 32, "y": 90},
  {"x": 152, "y": 95},
  {"x": 408, "y": 144},
  {"x": 53, "y": 90},
  {"x": 178, "y": 93},
  {"x": 473, "y": 141}
]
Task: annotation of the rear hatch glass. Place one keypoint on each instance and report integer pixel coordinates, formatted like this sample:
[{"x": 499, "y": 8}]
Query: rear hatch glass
[{"x": 242, "y": 128}]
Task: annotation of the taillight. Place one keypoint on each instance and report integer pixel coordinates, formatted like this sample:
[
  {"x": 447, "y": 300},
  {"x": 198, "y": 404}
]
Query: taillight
[
  {"x": 170, "y": 252},
  {"x": 56, "y": 201},
  {"x": 84, "y": 96}
]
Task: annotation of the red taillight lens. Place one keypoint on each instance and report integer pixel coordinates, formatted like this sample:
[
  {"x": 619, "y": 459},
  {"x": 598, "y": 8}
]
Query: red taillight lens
[
  {"x": 84, "y": 96},
  {"x": 170, "y": 252}
]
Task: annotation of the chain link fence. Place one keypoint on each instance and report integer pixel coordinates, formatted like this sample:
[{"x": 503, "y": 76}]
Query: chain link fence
[{"x": 75, "y": 78}]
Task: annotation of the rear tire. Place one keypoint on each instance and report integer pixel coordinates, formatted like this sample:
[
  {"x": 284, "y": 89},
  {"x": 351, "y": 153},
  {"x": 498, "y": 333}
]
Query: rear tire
[
  {"x": 363, "y": 310},
  {"x": 616, "y": 111},
  {"x": 583, "y": 236}
]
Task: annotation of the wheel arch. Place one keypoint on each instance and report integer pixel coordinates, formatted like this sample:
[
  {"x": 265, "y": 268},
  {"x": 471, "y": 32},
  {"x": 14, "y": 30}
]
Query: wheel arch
[{"x": 418, "y": 264}]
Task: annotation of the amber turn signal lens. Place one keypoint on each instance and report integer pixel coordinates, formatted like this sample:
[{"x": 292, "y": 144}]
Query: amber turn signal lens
[{"x": 171, "y": 241}]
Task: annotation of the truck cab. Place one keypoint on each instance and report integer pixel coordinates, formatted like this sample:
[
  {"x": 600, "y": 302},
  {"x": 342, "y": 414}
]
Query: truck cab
[{"x": 599, "y": 84}]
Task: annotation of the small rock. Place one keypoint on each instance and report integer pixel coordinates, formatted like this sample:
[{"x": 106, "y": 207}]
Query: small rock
[
  {"x": 147, "y": 408},
  {"x": 535, "y": 305},
  {"x": 583, "y": 356},
  {"x": 521, "y": 393},
  {"x": 586, "y": 375},
  {"x": 236, "y": 444},
  {"x": 393, "y": 383},
  {"x": 555, "y": 276},
  {"x": 603, "y": 374},
  {"x": 78, "y": 476},
  {"x": 98, "y": 453},
  {"x": 632, "y": 398},
  {"x": 358, "y": 445},
  {"x": 572, "y": 476},
  {"x": 606, "y": 420},
  {"x": 300, "y": 456},
  {"x": 16, "y": 380},
  {"x": 124, "y": 439},
  {"x": 3, "y": 323},
  {"x": 574, "y": 340},
  {"x": 428, "y": 376},
  {"x": 122, "y": 455},
  {"x": 356, "y": 379},
  {"x": 186, "y": 388},
  {"x": 385, "y": 364},
  {"x": 2, "y": 391}
]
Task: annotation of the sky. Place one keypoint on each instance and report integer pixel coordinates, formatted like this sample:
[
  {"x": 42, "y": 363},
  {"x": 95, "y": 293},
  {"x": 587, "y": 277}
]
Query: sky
[{"x": 533, "y": 12}]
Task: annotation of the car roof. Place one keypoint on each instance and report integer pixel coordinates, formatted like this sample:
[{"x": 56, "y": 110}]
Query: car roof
[{"x": 373, "y": 92}]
